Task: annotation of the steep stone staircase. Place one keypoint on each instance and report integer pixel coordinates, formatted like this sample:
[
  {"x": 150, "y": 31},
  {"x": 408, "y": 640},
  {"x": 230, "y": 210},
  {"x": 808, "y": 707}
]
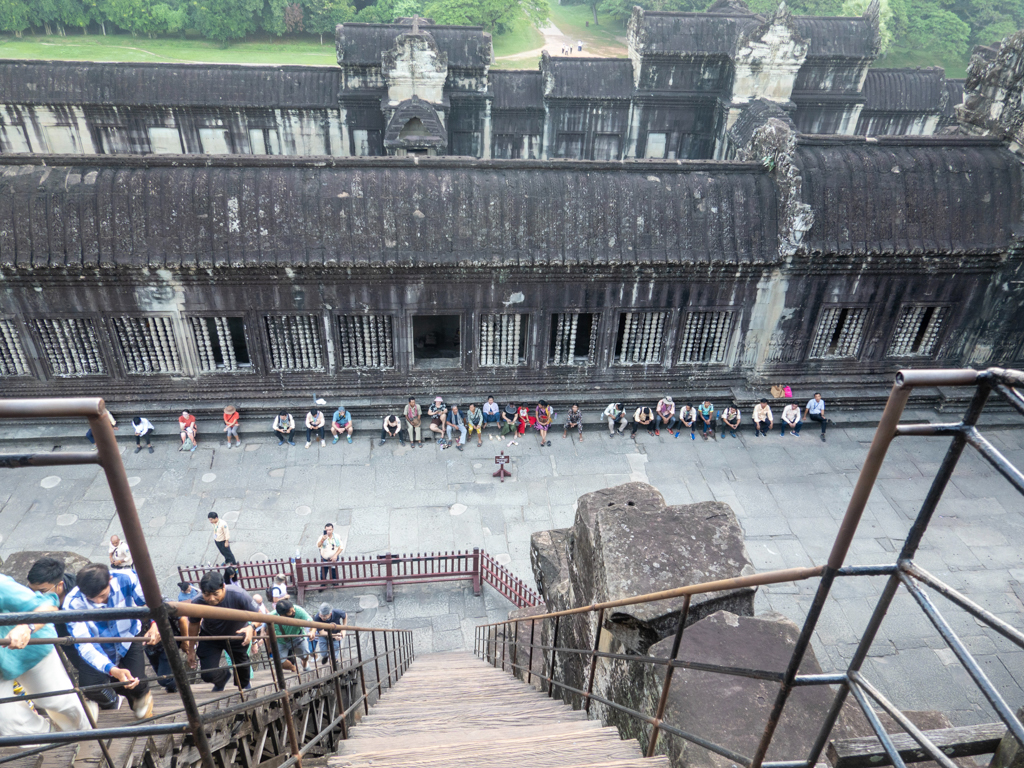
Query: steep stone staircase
[{"x": 456, "y": 711}]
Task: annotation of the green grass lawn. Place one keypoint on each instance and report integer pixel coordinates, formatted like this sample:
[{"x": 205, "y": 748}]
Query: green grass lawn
[
  {"x": 896, "y": 58},
  {"x": 525, "y": 37},
  {"x": 608, "y": 35},
  {"x": 127, "y": 48}
]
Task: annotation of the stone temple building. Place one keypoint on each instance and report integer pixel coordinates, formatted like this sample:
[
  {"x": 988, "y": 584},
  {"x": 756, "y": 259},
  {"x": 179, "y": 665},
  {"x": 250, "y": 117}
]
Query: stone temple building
[{"x": 741, "y": 201}]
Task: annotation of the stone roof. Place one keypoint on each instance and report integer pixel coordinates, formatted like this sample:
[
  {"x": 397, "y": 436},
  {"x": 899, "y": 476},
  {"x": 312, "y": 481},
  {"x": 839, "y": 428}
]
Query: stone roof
[
  {"x": 583, "y": 78},
  {"x": 517, "y": 89},
  {"x": 180, "y": 212},
  {"x": 838, "y": 36},
  {"x": 904, "y": 90},
  {"x": 153, "y": 84},
  {"x": 911, "y": 195},
  {"x": 668, "y": 33},
  {"x": 363, "y": 44},
  {"x": 753, "y": 116}
]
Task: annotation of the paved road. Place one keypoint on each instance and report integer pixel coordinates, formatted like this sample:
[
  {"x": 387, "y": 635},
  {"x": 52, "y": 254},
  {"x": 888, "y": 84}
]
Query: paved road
[{"x": 789, "y": 495}]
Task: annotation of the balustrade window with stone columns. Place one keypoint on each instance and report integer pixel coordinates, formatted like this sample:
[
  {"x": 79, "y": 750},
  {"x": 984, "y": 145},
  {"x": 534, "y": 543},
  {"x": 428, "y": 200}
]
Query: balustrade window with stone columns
[
  {"x": 918, "y": 331},
  {"x": 641, "y": 338},
  {"x": 147, "y": 344},
  {"x": 221, "y": 344},
  {"x": 503, "y": 340},
  {"x": 71, "y": 346},
  {"x": 366, "y": 341},
  {"x": 12, "y": 356},
  {"x": 573, "y": 338},
  {"x": 705, "y": 337},
  {"x": 839, "y": 333},
  {"x": 296, "y": 342}
]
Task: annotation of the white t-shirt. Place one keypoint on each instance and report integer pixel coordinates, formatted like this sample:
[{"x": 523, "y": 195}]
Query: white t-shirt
[
  {"x": 763, "y": 413},
  {"x": 142, "y": 427},
  {"x": 490, "y": 409},
  {"x": 120, "y": 552},
  {"x": 279, "y": 592},
  {"x": 791, "y": 414}
]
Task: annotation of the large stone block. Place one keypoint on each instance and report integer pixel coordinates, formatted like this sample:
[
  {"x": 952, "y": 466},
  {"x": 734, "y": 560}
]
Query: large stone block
[
  {"x": 550, "y": 562},
  {"x": 626, "y": 541},
  {"x": 16, "y": 566},
  {"x": 730, "y": 710}
]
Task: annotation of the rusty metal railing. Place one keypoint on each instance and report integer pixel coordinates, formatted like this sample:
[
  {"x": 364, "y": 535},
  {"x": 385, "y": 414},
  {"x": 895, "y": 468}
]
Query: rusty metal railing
[
  {"x": 904, "y": 572},
  {"x": 397, "y": 651}
]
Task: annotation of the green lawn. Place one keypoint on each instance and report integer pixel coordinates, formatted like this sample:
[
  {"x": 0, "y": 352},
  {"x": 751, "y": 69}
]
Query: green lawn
[
  {"x": 896, "y": 58},
  {"x": 127, "y": 48},
  {"x": 608, "y": 37},
  {"x": 524, "y": 38}
]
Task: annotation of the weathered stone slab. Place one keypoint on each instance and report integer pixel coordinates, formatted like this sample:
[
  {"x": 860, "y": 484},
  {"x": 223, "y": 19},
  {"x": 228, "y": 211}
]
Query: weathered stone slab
[
  {"x": 16, "y": 566},
  {"x": 550, "y": 561}
]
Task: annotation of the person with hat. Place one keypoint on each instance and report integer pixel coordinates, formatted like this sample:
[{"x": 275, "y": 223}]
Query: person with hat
[
  {"x": 328, "y": 614},
  {"x": 231, "y": 424},
  {"x": 509, "y": 419},
  {"x": 666, "y": 411},
  {"x": 341, "y": 423},
  {"x": 438, "y": 413}
]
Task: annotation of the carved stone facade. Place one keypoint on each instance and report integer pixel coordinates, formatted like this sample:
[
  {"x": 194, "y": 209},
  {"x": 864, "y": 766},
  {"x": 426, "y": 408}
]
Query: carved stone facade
[{"x": 827, "y": 260}]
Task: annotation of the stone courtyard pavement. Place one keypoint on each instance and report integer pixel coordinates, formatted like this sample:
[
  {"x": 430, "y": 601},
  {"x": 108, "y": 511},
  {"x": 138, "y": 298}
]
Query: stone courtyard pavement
[{"x": 788, "y": 493}]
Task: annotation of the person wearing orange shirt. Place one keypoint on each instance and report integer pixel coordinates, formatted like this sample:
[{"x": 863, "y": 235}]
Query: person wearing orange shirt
[
  {"x": 187, "y": 424},
  {"x": 231, "y": 424}
]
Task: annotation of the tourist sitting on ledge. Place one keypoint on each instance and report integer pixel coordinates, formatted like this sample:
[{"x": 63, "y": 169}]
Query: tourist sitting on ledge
[
  {"x": 284, "y": 428},
  {"x": 763, "y": 421},
  {"x": 492, "y": 414},
  {"x": 687, "y": 418},
  {"x": 413, "y": 419},
  {"x": 790, "y": 418},
  {"x": 731, "y": 418},
  {"x": 315, "y": 422},
  {"x": 706, "y": 417},
  {"x": 573, "y": 420},
  {"x": 438, "y": 413},
  {"x": 391, "y": 427},
  {"x": 475, "y": 421},
  {"x": 341, "y": 424},
  {"x": 509, "y": 419},
  {"x": 642, "y": 417},
  {"x": 666, "y": 411},
  {"x": 544, "y": 414},
  {"x": 456, "y": 421},
  {"x": 615, "y": 414},
  {"x": 189, "y": 431}
]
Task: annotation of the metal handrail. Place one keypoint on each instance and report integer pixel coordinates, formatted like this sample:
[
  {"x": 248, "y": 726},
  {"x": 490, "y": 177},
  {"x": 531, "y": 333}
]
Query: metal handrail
[
  {"x": 108, "y": 457},
  {"x": 902, "y": 573}
]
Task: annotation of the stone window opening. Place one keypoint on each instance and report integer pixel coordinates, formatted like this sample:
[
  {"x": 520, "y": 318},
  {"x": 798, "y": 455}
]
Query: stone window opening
[
  {"x": 14, "y": 139},
  {"x": 296, "y": 342},
  {"x": 436, "y": 341},
  {"x": 918, "y": 331},
  {"x": 705, "y": 337},
  {"x": 366, "y": 341},
  {"x": 573, "y": 338},
  {"x": 221, "y": 344},
  {"x": 71, "y": 346},
  {"x": 264, "y": 141},
  {"x": 13, "y": 361},
  {"x": 503, "y": 340},
  {"x": 147, "y": 345},
  {"x": 412, "y": 129},
  {"x": 839, "y": 333},
  {"x": 640, "y": 338},
  {"x": 607, "y": 146},
  {"x": 113, "y": 140}
]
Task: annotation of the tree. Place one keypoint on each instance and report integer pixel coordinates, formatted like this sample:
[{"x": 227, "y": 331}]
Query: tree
[
  {"x": 322, "y": 16},
  {"x": 494, "y": 15},
  {"x": 621, "y": 10},
  {"x": 226, "y": 20},
  {"x": 272, "y": 19},
  {"x": 930, "y": 28},
  {"x": 293, "y": 18},
  {"x": 892, "y": 18},
  {"x": 15, "y": 16}
]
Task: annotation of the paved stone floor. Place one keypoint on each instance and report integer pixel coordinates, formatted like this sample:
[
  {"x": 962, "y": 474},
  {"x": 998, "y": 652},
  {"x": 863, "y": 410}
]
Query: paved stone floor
[{"x": 789, "y": 495}]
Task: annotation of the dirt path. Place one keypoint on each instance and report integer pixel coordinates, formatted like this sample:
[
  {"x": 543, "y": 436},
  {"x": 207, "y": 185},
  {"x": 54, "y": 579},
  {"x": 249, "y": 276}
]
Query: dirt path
[{"x": 554, "y": 43}]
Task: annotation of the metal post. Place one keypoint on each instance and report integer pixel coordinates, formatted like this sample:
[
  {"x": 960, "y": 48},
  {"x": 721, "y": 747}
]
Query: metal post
[
  {"x": 476, "y": 571},
  {"x": 286, "y": 702},
  {"x": 656, "y": 728},
  {"x": 387, "y": 660},
  {"x": 337, "y": 683},
  {"x": 376, "y": 665},
  {"x": 515, "y": 649},
  {"x": 81, "y": 700},
  {"x": 504, "y": 644},
  {"x": 529, "y": 663},
  {"x": 389, "y": 585},
  {"x": 551, "y": 670},
  {"x": 128, "y": 515},
  {"x": 593, "y": 658},
  {"x": 362, "y": 674}
]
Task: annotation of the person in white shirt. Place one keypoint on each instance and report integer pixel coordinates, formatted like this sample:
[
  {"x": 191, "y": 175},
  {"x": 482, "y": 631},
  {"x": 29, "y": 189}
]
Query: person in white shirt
[
  {"x": 790, "y": 418},
  {"x": 315, "y": 423},
  {"x": 391, "y": 427},
  {"x": 815, "y": 411},
  {"x": 330, "y": 547},
  {"x": 763, "y": 421},
  {"x": 142, "y": 427},
  {"x": 687, "y": 418},
  {"x": 284, "y": 428},
  {"x": 615, "y": 416},
  {"x": 731, "y": 418},
  {"x": 666, "y": 411},
  {"x": 279, "y": 589},
  {"x": 118, "y": 554},
  {"x": 491, "y": 413}
]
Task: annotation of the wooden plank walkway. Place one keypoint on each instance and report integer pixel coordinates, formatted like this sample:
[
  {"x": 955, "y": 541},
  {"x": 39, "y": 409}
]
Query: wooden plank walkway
[
  {"x": 166, "y": 708},
  {"x": 452, "y": 710}
]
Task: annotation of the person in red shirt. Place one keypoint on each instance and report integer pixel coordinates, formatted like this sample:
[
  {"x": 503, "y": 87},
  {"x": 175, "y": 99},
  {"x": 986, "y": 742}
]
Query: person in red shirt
[
  {"x": 231, "y": 424},
  {"x": 187, "y": 424}
]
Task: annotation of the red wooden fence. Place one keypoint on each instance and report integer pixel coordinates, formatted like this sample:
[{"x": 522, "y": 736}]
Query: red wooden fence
[{"x": 383, "y": 570}]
